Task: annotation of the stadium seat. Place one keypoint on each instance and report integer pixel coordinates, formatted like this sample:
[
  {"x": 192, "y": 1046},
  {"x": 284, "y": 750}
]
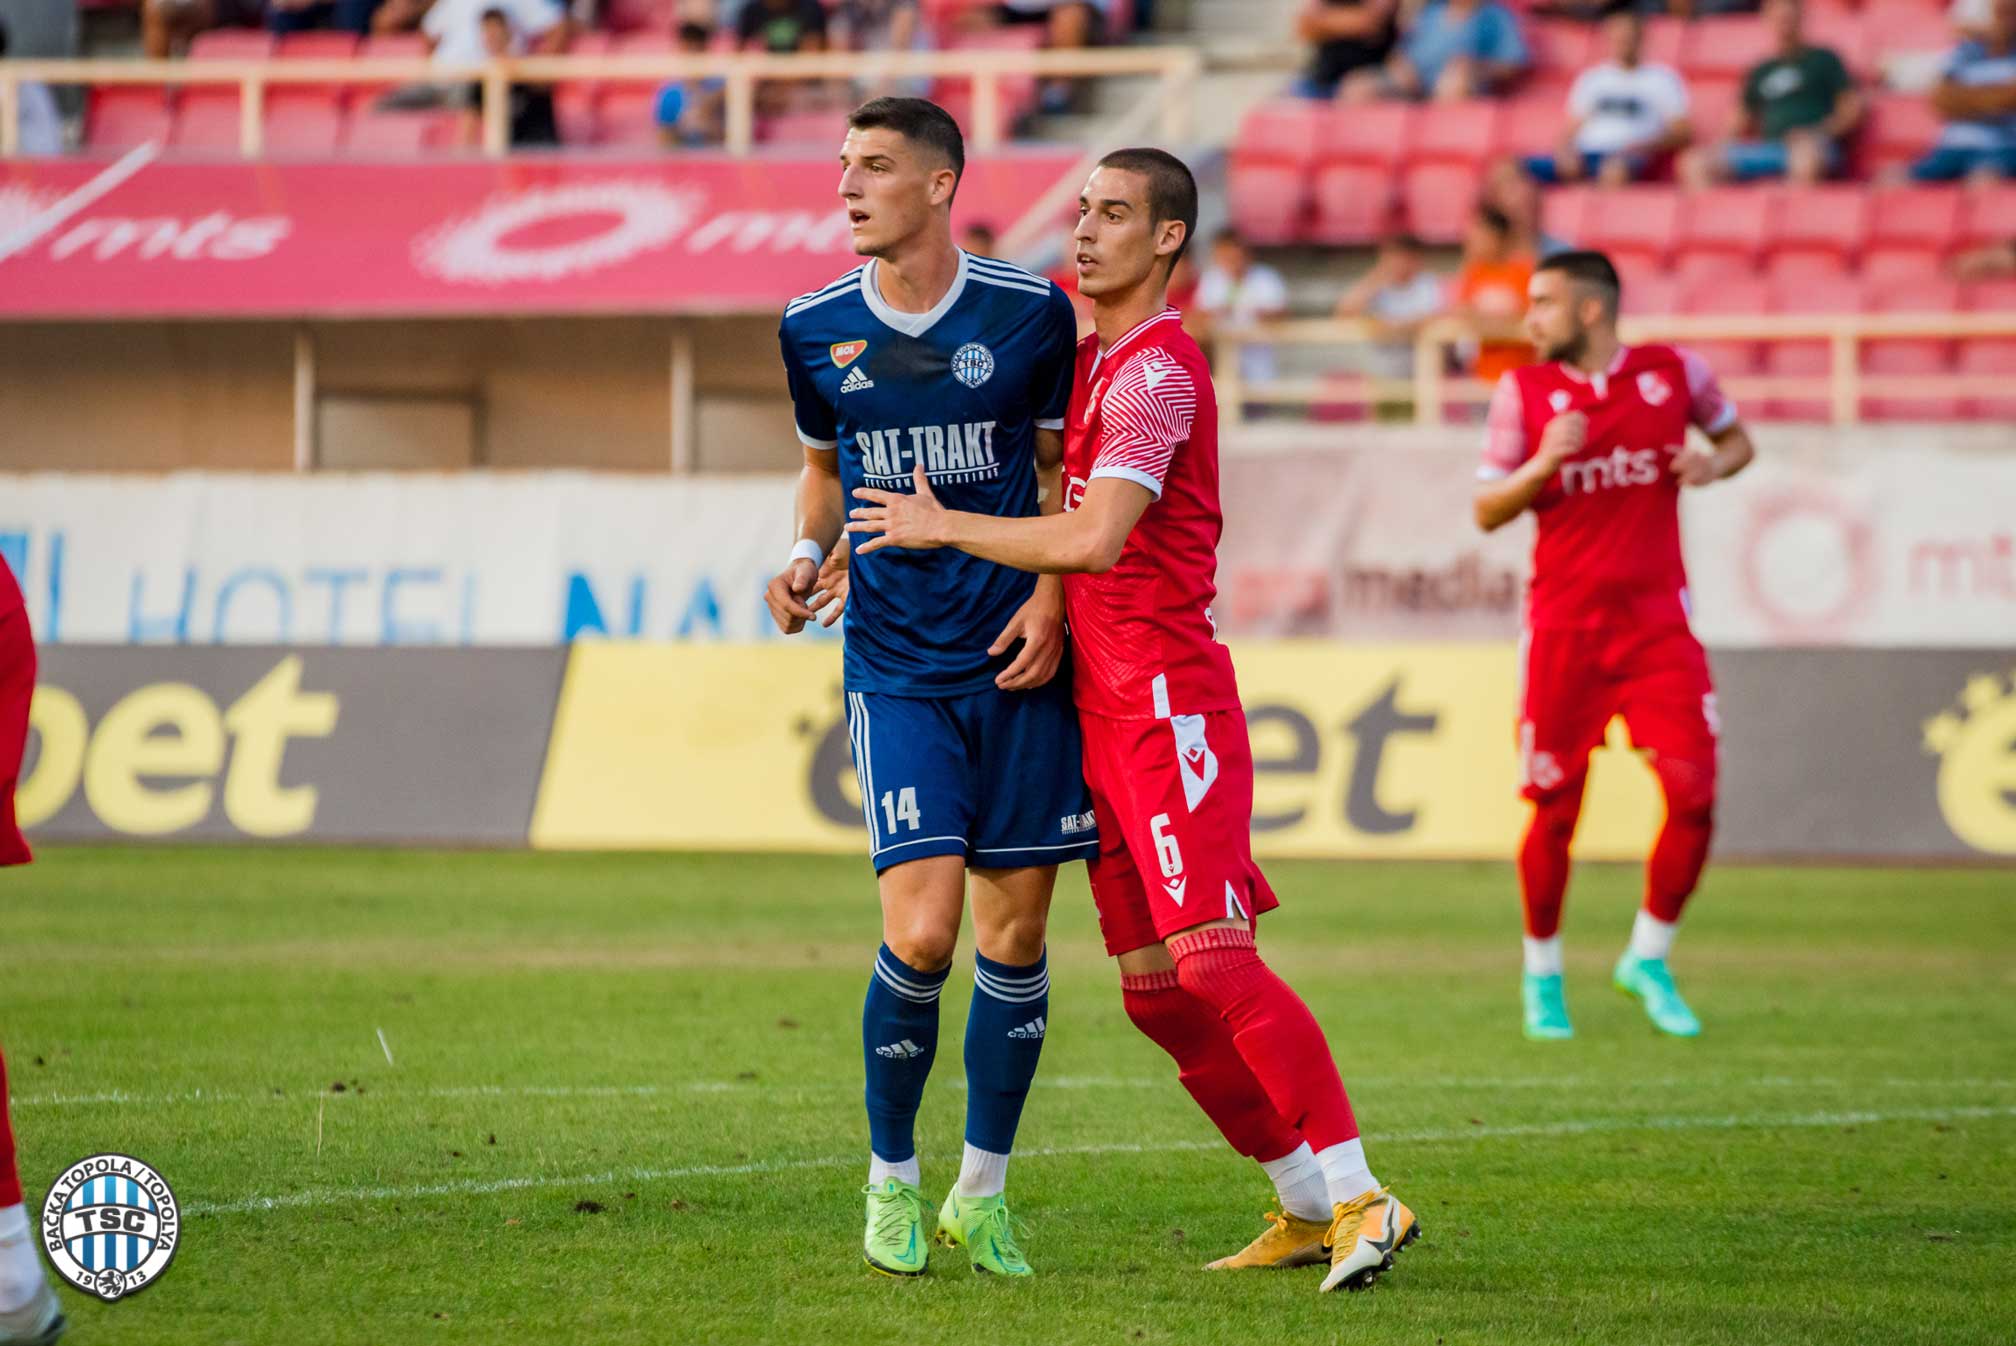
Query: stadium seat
[
  {"x": 206, "y": 122},
  {"x": 401, "y": 135},
  {"x": 1883, "y": 268},
  {"x": 1564, "y": 46},
  {"x": 574, "y": 111},
  {"x": 624, "y": 114},
  {"x": 231, "y": 44},
  {"x": 1830, "y": 222},
  {"x": 302, "y": 123},
  {"x": 1994, "y": 357},
  {"x": 120, "y": 116},
  {"x": 1354, "y": 204},
  {"x": 1712, "y": 109},
  {"x": 1268, "y": 179},
  {"x": 821, "y": 129},
  {"x": 317, "y": 45},
  {"x": 1841, "y": 29},
  {"x": 1989, "y": 296},
  {"x": 591, "y": 42},
  {"x": 1726, "y": 219},
  {"x": 1731, "y": 359},
  {"x": 1988, "y": 214},
  {"x": 388, "y": 45},
  {"x": 1530, "y": 124},
  {"x": 1894, "y": 26},
  {"x": 1807, "y": 359},
  {"x": 1372, "y": 133},
  {"x": 1665, "y": 41},
  {"x": 1633, "y": 220},
  {"x": 1723, "y": 48},
  {"x": 1900, "y": 128},
  {"x": 1894, "y": 356},
  {"x": 642, "y": 43},
  {"x": 1654, "y": 294},
  {"x": 1564, "y": 213},
  {"x": 1914, "y": 217},
  {"x": 1456, "y": 133},
  {"x": 1438, "y": 199},
  {"x": 1285, "y": 131},
  {"x": 1712, "y": 267}
]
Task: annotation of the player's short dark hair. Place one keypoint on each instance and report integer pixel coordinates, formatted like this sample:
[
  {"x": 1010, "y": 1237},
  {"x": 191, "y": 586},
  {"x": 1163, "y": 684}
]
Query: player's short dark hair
[
  {"x": 919, "y": 120},
  {"x": 1172, "y": 191},
  {"x": 1587, "y": 267}
]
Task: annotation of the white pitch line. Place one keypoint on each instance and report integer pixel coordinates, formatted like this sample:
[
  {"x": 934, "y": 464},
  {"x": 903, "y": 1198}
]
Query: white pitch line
[
  {"x": 385, "y": 1046},
  {"x": 478, "y": 1187},
  {"x": 46, "y": 222},
  {"x": 123, "y": 1097}
]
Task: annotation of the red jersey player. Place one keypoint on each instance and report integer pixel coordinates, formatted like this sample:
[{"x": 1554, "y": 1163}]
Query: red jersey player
[
  {"x": 1594, "y": 442},
  {"x": 1166, "y": 750},
  {"x": 28, "y": 1308}
]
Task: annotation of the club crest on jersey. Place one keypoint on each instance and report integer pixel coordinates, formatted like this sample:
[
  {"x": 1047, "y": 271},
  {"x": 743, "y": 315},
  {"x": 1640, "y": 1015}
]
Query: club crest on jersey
[
  {"x": 845, "y": 353},
  {"x": 972, "y": 364},
  {"x": 1559, "y": 400},
  {"x": 1654, "y": 388},
  {"x": 110, "y": 1225}
]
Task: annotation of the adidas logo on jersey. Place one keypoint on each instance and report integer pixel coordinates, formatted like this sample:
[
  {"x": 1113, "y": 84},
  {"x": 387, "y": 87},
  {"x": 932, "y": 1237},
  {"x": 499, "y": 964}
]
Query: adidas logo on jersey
[
  {"x": 1033, "y": 1029},
  {"x": 900, "y": 1051},
  {"x": 857, "y": 380}
]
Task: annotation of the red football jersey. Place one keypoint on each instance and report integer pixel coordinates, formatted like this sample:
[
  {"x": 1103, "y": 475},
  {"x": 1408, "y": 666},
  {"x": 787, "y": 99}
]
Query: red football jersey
[
  {"x": 1144, "y": 640},
  {"x": 1608, "y": 547}
]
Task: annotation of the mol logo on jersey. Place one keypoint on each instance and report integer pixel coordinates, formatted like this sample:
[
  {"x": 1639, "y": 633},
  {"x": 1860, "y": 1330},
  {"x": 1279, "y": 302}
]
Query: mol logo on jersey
[
  {"x": 1621, "y": 467},
  {"x": 845, "y": 353}
]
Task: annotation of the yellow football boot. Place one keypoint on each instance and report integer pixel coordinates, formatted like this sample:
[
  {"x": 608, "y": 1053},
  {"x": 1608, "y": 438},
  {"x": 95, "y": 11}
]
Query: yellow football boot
[
  {"x": 1286, "y": 1242},
  {"x": 1364, "y": 1236}
]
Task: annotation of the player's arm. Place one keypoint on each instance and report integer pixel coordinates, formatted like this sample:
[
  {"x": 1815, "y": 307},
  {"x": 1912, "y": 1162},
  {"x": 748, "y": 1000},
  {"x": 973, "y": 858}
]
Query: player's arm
[
  {"x": 1086, "y": 540},
  {"x": 1511, "y": 479},
  {"x": 1710, "y": 411},
  {"x": 820, "y": 514},
  {"x": 1038, "y": 623}
]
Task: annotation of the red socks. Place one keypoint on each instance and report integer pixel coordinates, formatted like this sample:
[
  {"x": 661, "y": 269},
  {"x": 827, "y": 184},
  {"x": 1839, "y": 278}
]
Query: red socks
[
  {"x": 1277, "y": 1036},
  {"x": 1208, "y": 1064},
  {"x": 10, "y": 1177},
  {"x": 1682, "y": 848},
  {"x": 1543, "y": 860}
]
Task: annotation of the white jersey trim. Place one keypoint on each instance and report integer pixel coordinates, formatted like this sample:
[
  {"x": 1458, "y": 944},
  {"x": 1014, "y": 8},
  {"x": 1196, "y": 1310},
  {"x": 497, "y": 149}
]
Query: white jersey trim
[
  {"x": 1134, "y": 475},
  {"x": 912, "y": 324}
]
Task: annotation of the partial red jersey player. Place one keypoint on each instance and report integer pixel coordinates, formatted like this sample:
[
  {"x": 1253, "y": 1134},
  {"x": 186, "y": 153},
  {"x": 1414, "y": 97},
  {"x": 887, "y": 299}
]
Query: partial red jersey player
[
  {"x": 1595, "y": 442},
  {"x": 1166, "y": 749},
  {"x": 28, "y": 1308}
]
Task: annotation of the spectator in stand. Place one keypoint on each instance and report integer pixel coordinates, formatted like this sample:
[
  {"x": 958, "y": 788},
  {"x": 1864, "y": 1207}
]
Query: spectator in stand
[
  {"x": 532, "y": 121},
  {"x": 1453, "y": 49},
  {"x": 1624, "y": 116},
  {"x": 978, "y": 238},
  {"x": 1799, "y": 104},
  {"x": 300, "y": 16},
  {"x": 1977, "y": 97},
  {"x": 689, "y": 111},
  {"x": 1507, "y": 187},
  {"x": 455, "y": 28},
  {"x": 1347, "y": 35},
  {"x": 40, "y": 124},
  {"x": 781, "y": 26},
  {"x": 1237, "y": 291},
  {"x": 879, "y": 26},
  {"x": 1067, "y": 25},
  {"x": 1397, "y": 295},
  {"x": 167, "y": 25},
  {"x": 1490, "y": 293}
]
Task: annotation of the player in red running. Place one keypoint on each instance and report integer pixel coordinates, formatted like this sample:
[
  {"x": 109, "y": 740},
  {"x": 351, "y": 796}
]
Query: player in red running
[
  {"x": 1166, "y": 750},
  {"x": 1594, "y": 442},
  {"x": 29, "y": 1312}
]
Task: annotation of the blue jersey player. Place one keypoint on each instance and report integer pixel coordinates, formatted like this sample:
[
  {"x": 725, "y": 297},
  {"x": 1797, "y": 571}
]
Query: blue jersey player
[{"x": 965, "y": 739}]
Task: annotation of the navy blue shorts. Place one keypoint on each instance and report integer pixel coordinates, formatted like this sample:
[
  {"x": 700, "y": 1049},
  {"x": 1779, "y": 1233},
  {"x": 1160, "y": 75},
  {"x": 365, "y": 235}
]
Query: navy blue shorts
[{"x": 994, "y": 776}]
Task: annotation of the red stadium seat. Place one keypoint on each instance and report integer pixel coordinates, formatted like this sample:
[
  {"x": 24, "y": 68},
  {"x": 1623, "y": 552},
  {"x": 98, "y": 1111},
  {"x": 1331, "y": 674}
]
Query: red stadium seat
[
  {"x": 1724, "y": 47},
  {"x": 1354, "y": 204},
  {"x": 302, "y": 123},
  {"x": 1995, "y": 357},
  {"x": 1564, "y": 214},
  {"x": 1438, "y": 200},
  {"x": 1531, "y": 124},
  {"x": 1284, "y": 131},
  {"x": 1655, "y": 294},
  {"x": 231, "y": 44},
  {"x": 625, "y": 115},
  {"x": 590, "y": 42},
  {"x": 574, "y": 112},
  {"x": 1916, "y": 217},
  {"x": 1370, "y": 133},
  {"x": 1712, "y": 109},
  {"x": 1808, "y": 359},
  {"x": 822, "y": 129},
  {"x": 1884, "y": 268},
  {"x": 643, "y": 43},
  {"x": 1830, "y": 222},
  {"x": 388, "y": 45},
  {"x": 1633, "y": 220},
  {"x": 1563, "y": 45},
  {"x": 120, "y": 116},
  {"x": 1456, "y": 133},
  {"x": 1727, "y": 219},
  {"x": 1900, "y": 128},
  {"x": 401, "y": 135},
  {"x": 1890, "y": 27},
  {"x": 1842, "y": 31},
  {"x": 1988, "y": 215},
  {"x": 1897, "y": 356},
  {"x": 1665, "y": 41},
  {"x": 317, "y": 45},
  {"x": 1267, "y": 201},
  {"x": 1990, "y": 296},
  {"x": 1713, "y": 267},
  {"x": 206, "y": 122},
  {"x": 1731, "y": 359}
]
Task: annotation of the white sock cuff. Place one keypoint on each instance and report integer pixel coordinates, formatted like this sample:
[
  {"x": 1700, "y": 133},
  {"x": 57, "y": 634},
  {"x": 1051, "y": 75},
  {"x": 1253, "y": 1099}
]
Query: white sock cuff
[
  {"x": 881, "y": 1170},
  {"x": 1543, "y": 956},
  {"x": 1299, "y": 1183},
  {"x": 1651, "y": 937},
  {"x": 1344, "y": 1170},
  {"x": 982, "y": 1173},
  {"x": 13, "y": 1222}
]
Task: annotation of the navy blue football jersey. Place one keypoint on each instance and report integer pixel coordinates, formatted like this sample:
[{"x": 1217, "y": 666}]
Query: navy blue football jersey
[{"x": 961, "y": 390}]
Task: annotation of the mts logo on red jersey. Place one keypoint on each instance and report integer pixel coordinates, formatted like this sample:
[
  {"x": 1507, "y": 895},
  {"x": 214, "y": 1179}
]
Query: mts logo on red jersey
[{"x": 1620, "y": 467}]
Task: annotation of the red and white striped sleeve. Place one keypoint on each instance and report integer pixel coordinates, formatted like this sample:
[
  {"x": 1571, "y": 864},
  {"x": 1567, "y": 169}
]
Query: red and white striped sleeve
[
  {"x": 1145, "y": 416},
  {"x": 1707, "y": 405},
  {"x": 1505, "y": 444}
]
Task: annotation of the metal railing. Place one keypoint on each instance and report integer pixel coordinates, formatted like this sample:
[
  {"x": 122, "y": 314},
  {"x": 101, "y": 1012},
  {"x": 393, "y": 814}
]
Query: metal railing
[
  {"x": 1431, "y": 388},
  {"x": 1175, "y": 70}
]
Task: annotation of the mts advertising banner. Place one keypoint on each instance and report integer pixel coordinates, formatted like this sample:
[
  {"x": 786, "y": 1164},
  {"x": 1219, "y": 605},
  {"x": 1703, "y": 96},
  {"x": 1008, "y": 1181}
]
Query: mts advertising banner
[
  {"x": 1362, "y": 751},
  {"x": 692, "y": 234},
  {"x": 1903, "y": 537}
]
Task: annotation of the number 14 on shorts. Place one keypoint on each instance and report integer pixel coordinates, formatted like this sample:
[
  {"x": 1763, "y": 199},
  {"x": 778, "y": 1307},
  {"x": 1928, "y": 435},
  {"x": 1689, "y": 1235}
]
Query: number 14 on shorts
[{"x": 900, "y": 806}]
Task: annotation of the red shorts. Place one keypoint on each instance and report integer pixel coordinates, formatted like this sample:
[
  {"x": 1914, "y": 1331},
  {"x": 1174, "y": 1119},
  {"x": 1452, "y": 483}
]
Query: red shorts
[
  {"x": 1174, "y": 801},
  {"x": 17, "y": 689},
  {"x": 1573, "y": 681}
]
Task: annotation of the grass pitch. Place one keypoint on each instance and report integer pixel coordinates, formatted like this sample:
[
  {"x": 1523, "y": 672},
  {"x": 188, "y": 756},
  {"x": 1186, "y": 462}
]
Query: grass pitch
[{"x": 618, "y": 1101}]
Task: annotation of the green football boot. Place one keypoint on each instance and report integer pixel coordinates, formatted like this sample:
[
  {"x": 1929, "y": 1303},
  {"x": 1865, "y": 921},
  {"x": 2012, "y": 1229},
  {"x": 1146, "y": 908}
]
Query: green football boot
[
  {"x": 1648, "y": 979},
  {"x": 894, "y": 1244},
  {"x": 983, "y": 1226},
  {"x": 1546, "y": 1008}
]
